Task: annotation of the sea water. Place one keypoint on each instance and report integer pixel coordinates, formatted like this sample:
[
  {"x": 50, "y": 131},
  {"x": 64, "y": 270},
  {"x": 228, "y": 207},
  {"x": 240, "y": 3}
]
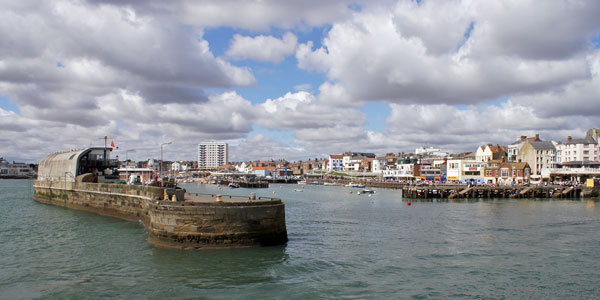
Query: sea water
[{"x": 341, "y": 246}]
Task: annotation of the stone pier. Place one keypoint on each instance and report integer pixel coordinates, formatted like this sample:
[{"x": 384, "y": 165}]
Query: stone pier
[{"x": 198, "y": 222}]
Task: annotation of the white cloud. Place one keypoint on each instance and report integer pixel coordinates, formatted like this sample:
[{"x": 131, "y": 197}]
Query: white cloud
[
  {"x": 462, "y": 129},
  {"x": 317, "y": 60},
  {"x": 262, "y": 48},
  {"x": 262, "y": 15},
  {"x": 410, "y": 55},
  {"x": 260, "y": 147},
  {"x": 301, "y": 110},
  {"x": 142, "y": 72}
]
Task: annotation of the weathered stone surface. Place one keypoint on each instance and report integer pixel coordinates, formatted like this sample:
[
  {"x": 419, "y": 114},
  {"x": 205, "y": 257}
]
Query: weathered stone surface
[{"x": 174, "y": 224}]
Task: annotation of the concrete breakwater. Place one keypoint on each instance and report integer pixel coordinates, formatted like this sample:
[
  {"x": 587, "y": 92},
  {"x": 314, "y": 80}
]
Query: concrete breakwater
[{"x": 198, "y": 222}]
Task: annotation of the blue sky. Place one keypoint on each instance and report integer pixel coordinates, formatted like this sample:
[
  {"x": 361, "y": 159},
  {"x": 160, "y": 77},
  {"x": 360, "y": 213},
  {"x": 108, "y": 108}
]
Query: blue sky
[
  {"x": 295, "y": 79},
  {"x": 6, "y": 104}
]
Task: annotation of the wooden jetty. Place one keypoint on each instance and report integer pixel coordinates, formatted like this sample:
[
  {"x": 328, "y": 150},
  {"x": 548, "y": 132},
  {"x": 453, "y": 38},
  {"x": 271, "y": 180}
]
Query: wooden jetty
[{"x": 498, "y": 192}]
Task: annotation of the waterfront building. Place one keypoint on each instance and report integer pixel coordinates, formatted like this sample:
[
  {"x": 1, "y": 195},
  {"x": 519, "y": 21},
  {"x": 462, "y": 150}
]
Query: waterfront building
[
  {"x": 465, "y": 171},
  {"x": 212, "y": 154},
  {"x": 514, "y": 173},
  {"x": 242, "y": 167},
  {"x": 453, "y": 170},
  {"x": 137, "y": 175},
  {"x": 492, "y": 172},
  {"x": 336, "y": 163},
  {"x": 378, "y": 164},
  {"x": 228, "y": 168},
  {"x": 404, "y": 172},
  {"x": 352, "y": 160},
  {"x": 366, "y": 164},
  {"x": 575, "y": 171},
  {"x": 260, "y": 171},
  {"x": 539, "y": 155},
  {"x": 320, "y": 165},
  {"x": 585, "y": 149},
  {"x": 66, "y": 166},
  {"x": 431, "y": 172},
  {"x": 514, "y": 148},
  {"x": 15, "y": 169},
  {"x": 472, "y": 171},
  {"x": 489, "y": 153},
  {"x": 594, "y": 133}
]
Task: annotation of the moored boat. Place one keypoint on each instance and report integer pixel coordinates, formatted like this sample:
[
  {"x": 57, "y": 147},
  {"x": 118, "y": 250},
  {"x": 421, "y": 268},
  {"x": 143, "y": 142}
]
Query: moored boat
[{"x": 355, "y": 185}]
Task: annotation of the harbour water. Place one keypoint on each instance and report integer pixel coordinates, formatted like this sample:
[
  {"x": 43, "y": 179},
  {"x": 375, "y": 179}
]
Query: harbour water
[{"x": 341, "y": 246}]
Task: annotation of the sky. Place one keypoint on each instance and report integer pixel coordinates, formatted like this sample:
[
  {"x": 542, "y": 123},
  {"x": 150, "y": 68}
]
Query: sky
[{"x": 294, "y": 79}]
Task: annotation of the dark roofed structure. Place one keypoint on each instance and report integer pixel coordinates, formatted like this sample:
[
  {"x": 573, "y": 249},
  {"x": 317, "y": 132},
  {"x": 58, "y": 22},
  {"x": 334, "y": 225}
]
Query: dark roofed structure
[{"x": 542, "y": 145}]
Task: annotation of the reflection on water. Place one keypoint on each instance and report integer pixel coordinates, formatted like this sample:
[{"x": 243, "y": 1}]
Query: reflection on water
[{"x": 341, "y": 245}]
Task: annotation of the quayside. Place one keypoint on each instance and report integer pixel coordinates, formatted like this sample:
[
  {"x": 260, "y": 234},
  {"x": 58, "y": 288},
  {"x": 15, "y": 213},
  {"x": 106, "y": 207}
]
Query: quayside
[{"x": 85, "y": 180}]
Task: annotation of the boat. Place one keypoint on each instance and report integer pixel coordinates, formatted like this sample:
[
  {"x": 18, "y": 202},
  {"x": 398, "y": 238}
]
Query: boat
[
  {"x": 298, "y": 190},
  {"x": 330, "y": 183},
  {"x": 233, "y": 185},
  {"x": 302, "y": 182},
  {"x": 367, "y": 191},
  {"x": 355, "y": 185}
]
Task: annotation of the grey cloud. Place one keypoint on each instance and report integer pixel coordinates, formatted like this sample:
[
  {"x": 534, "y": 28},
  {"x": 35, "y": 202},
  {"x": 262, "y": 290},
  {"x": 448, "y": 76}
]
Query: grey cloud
[
  {"x": 557, "y": 31},
  {"x": 173, "y": 94}
]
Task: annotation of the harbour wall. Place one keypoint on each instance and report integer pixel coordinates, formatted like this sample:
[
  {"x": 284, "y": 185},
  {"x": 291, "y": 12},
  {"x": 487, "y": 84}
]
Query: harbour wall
[{"x": 187, "y": 225}]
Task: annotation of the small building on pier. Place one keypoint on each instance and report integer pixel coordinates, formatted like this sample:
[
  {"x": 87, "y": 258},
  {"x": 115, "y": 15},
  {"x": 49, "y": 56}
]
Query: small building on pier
[
  {"x": 574, "y": 171},
  {"x": 66, "y": 166}
]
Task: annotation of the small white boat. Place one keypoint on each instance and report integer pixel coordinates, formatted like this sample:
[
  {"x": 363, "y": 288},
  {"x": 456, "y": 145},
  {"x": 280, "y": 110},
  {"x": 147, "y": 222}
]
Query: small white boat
[
  {"x": 355, "y": 185},
  {"x": 367, "y": 191},
  {"x": 302, "y": 182},
  {"x": 329, "y": 183},
  {"x": 298, "y": 190}
]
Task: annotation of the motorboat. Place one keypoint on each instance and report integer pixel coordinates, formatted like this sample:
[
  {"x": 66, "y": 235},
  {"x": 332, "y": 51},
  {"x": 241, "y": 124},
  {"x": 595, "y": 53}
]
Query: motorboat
[
  {"x": 355, "y": 185},
  {"x": 367, "y": 191},
  {"x": 233, "y": 185}
]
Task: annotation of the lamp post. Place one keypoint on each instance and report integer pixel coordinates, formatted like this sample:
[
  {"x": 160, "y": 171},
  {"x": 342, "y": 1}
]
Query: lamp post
[{"x": 161, "y": 159}]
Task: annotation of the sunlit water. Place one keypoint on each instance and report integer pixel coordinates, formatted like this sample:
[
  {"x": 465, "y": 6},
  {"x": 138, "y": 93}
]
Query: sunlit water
[{"x": 341, "y": 246}]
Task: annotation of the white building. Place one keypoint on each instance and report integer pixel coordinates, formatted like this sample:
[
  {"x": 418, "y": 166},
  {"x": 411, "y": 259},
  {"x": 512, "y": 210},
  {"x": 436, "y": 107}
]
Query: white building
[
  {"x": 431, "y": 151},
  {"x": 242, "y": 168},
  {"x": 577, "y": 150},
  {"x": 335, "y": 163},
  {"x": 178, "y": 166},
  {"x": 379, "y": 164},
  {"x": 15, "y": 169},
  {"x": 352, "y": 162},
  {"x": 465, "y": 170},
  {"x": 212, "y": 154}
]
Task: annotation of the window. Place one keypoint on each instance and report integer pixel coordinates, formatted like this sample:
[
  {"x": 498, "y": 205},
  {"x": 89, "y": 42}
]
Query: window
[{"x": 504, "y": 172}]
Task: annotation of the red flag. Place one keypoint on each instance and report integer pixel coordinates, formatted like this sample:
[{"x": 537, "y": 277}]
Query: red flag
[{"x": 112, "y": 143}]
